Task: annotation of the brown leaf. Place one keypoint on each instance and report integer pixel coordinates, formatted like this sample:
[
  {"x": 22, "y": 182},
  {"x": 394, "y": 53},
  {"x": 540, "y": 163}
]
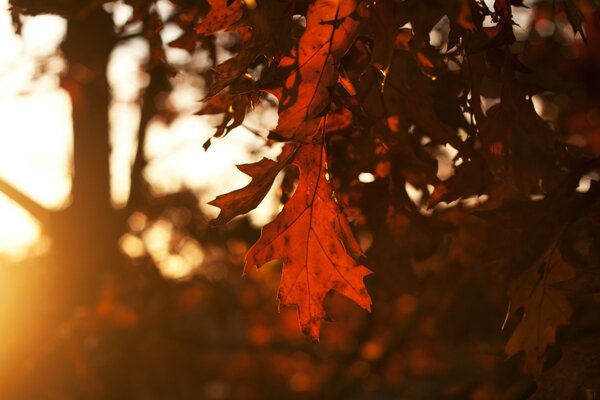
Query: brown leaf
[
  {"x": 338, "y": 120},
  {"x": 502, "y": 9},
  {"x": 233, "y": 108},
  {"x": 221, "y": 17},
  {"x": 515, "y": 142},
  {"x": 311, "y": 71},
  {"x": 265, "y": 31},
  {"x": 464, "y": 17},
  {"x": 379, "y": 25},
  {"x": 246, "y": 199},
  {"x": 545, "y": 308},
  {"x": 316, "y": 259}
]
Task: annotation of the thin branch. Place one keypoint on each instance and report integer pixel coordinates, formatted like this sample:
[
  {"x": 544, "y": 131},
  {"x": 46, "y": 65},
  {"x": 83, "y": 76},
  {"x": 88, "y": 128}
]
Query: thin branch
[
  {"x": 27, "y": 203},
  {"x": 158, "y": 83}
]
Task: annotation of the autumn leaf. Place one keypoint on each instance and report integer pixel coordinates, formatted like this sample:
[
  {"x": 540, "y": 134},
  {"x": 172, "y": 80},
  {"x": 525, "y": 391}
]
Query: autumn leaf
[
  {"x": 312, "y": 239},
  {"x": 246, "y": 199},
  {"x": 311, "y": 219},
  {"x": 502, "y": 10},
  {"x": 265, "y": 31},
  {"x": 311, "y": 71},
  {"x": 233, "y": 108},
  {"x": 221, "y": 17},
  {"x": 186, "y": 21},
  {"x": 464, "y": 17},
  {"x": 545, "y": 308},
  {"x": 514, "y": 142},
  {"x": 378, "y": 24},
  {"x": 339, "y": 119}
]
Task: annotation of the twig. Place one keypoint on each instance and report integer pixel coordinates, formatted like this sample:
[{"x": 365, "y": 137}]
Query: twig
[{"x": 27, "y": 203}]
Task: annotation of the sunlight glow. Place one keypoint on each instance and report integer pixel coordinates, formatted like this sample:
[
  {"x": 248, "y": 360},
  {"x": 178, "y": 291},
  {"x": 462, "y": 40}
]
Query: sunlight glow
[
  {"x": 34, "y": 159},
  {"x": 175, "y": 266},
  {"x": 132, "y": 245},
  {"x": 366, "y": 177},
  {"x": 34, "y": 126},
  {"x": 413, "y": 193},
  {"x": 36, "y": 136},
  {"x": 585, "y": 183},
  {"x": 18, "y": 231}
]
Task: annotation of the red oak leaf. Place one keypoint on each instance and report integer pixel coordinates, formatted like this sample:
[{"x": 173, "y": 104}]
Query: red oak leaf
[
  {"x": 246, "y": 199},
  {"x": 221, "y": 17},
  {"x": 312, "y": 239},
  {"x": 312, "y": 70},
  {"x": 265, "y": 31}
]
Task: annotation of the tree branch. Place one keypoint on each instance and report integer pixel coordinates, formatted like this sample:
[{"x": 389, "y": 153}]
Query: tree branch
[
  {"x": 27, "y": 203},
  {"x": 158, "y": 83}
]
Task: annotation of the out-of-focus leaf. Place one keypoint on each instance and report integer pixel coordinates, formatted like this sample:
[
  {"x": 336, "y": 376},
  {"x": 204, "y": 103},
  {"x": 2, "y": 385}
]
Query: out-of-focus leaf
[
  {"x": 223, "y": 16},
  {"x": 545, "y": 308},
  {"x": 377, "y": 22},
  {"x": 575, "y": 17}
]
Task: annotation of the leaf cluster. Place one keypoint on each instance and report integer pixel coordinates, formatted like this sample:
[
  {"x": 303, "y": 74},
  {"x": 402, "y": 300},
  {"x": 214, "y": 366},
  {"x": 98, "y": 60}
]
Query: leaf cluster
[{"x": 414, "y": 143}]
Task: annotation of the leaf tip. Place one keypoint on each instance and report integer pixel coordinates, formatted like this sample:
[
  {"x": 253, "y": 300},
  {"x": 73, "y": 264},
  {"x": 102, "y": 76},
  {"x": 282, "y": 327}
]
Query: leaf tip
[{"x": 312, "y": 330}]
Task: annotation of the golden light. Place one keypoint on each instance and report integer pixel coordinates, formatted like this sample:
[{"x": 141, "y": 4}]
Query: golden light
[
  {"x": 18, "y": 230},
  {"x": 36, "y": 136},
  {"x": 132, "y": 245}
]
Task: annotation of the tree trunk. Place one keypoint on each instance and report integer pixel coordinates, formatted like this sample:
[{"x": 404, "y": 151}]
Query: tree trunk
[{"x": 86, "y": 233}]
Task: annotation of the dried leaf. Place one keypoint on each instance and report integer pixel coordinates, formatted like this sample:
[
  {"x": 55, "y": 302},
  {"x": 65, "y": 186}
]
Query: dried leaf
[
  {"x": 545, "y": 308},
  {"x": 246, "y": 199},
  {"x": 265, "y": 31},
  {"x": 221, "y": 17},
  {"x": 316, "y": 259},
  {"x": 378, "y": 24},
  {"x": 233, "y": 108},
  {"x": 312, "y": 70}
]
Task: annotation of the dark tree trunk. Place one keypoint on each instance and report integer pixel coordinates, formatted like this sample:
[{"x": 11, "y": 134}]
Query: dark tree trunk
[{"x": 86, "y": 233}]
